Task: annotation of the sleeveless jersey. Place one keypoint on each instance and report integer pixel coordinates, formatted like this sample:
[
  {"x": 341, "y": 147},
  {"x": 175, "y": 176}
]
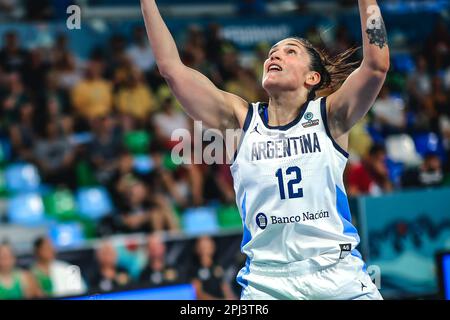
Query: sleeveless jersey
[{"x": 290, "y": 192}]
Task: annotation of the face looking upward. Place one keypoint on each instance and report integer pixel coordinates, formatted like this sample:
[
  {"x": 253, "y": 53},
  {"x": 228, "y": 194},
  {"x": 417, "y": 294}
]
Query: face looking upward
[{"x": 287, "y": 68}]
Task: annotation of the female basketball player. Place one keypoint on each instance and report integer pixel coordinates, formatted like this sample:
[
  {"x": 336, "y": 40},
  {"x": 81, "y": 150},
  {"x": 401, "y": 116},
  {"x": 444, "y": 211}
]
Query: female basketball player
[{"x": 298, "y": 235}]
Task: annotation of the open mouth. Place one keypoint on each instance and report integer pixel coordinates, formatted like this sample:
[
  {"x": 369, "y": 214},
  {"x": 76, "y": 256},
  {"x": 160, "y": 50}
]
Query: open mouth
[{"x": 274, "y": 68}]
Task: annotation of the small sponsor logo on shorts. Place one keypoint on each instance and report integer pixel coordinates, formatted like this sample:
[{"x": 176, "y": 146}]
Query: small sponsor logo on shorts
[
  {"x": 346, "y": 248},
  {"x": 261, "y": 220}
]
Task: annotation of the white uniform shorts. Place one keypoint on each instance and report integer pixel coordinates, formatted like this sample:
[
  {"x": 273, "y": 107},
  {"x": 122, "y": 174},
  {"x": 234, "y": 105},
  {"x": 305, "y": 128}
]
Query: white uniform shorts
[{"x": 345, "y": 280}]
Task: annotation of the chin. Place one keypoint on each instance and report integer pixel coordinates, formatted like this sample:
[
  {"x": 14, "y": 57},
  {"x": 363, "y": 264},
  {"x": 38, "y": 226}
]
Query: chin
[{"x": 272, "y": 87}]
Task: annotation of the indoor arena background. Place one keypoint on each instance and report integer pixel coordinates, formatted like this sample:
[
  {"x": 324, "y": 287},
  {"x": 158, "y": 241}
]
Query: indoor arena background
[{"x": 85, "y": 145}]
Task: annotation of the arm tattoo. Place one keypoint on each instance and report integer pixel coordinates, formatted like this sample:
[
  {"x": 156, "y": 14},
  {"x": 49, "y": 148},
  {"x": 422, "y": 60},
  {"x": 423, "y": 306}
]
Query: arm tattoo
[
  {"x": 378, "y": 36},
  {"x": 376, "y": 30}
]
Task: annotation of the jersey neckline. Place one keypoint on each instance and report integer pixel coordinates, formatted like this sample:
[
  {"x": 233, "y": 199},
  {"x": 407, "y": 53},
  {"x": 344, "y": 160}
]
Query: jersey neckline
[{"x": 263, "y": 113}]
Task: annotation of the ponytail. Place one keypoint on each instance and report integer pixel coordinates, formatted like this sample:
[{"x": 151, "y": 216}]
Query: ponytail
[{"x": 333, "y": 70}]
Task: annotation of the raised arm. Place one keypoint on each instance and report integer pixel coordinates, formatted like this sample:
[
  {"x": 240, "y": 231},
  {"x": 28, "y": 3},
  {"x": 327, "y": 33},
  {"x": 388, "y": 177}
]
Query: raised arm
[
  {"x": 201, "y": 99},
  {"x": 353, "y": 100}
]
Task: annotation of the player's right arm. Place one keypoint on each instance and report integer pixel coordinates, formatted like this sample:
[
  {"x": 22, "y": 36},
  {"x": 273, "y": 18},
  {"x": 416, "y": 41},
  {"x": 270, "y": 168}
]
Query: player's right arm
[{"x": 200, "y": 98}]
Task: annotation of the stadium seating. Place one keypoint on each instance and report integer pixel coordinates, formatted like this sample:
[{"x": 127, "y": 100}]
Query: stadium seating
[
  {"x": 199, "y": 220},
  {"x": 93, "y": 203},
  {"x": 429, "y": 143},
  {"x": 60, "y": 204},
  {"x": 143, "y": 164},
  {"x": 400, "y": 148},
  {"x": 26, "y": 209},
  {"x": 137, "y": 142},
  {"x": 5, "y": 150},
  {"x": 229, "y": 217},
  {"x": 22, "y": 177},
  {"x": 3, "y": 189},
  {"x": 66, "y": 235}
]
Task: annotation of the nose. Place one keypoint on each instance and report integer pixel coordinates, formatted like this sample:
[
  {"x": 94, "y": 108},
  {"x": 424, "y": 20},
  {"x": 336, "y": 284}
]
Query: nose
[{"x": 275, "y": 56}]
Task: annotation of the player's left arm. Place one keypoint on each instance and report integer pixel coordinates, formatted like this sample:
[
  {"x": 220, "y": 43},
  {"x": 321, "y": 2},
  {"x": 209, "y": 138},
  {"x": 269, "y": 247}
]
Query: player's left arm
[{"x": 354, "y": 98}]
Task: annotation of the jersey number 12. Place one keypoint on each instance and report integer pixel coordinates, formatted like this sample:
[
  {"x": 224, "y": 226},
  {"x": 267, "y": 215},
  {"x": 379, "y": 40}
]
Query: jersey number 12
[{"x": 295, "y": 175}]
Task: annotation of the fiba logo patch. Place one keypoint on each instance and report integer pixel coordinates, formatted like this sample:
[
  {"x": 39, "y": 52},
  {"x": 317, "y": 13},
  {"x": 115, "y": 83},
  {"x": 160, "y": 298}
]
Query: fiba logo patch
[
  {"x": 309, "y": 116},
  {"x": 261, "y": 220}
]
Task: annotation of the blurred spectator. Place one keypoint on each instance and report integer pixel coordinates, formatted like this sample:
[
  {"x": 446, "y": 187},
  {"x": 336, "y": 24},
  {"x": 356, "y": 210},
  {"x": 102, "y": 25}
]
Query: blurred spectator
[
  {"x": 108, "y": 276},
  {"x": 208, "y": 277},
  {"x": 214, "y": 43},
  {"x": 92, "y": 97},
  {"x": 55, "y": 156},
  {"x": 35, "y": 72},
  {"x": 15, "y": 283},
  {"x": 244, "y": 84},
  {"x": 389, "y": 113},
  {"x": 429, "y": 174},
  {"x": 218, "y": 183},
  {"x": 142, "y": 211},
  {"x": 167, "y": 120},
  {"x": 185, "y": 185},
  {"x": 66, "y": 72},
  {"x": 12, "y": 56},
  {"x": 23, "y": 134},
  {"x": 370, "y": 176},
  {"x": 157, "y": 272},
  {"x": 105, "y": 148},
  {"x": 438, "y": 103},
  {"x": 359, "y": 140},
  {"x": 140, "y": 52},
  {"x": 13, "y": 98},
  {"x": 134, "y": 97},
  {"x": 419, "y": 84},
  {"x": 260, "y": 56},
  {"x": 55, "y": 278},
  {"x": 437, "y": 47}
]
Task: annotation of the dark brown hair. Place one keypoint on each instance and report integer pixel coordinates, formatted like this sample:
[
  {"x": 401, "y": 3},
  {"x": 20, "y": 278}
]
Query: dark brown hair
[{"x": 333, "y": 70}]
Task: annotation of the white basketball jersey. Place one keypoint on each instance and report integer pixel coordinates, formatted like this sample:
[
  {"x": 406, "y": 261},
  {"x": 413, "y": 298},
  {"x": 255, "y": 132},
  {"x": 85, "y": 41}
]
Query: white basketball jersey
[{"x": 290, "y": 191}]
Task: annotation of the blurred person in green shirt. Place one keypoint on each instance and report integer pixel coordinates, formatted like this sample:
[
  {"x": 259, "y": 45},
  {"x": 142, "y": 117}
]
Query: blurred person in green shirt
[{"x": 15, "y": 283}]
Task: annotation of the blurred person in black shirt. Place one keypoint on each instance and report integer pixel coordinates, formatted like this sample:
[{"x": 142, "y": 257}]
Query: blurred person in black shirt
[
  {"x": 12, "y": 56},
  {"x": 12, "y": 98},
  {"x": 429, "y": 174},
  {"x": 55, "y": 156},
  {"x": 23, "y": 133},
  {"x": 108, "y": 276},
  {"x": 208, "y": 277},
  {"x": 144, "y": 211},
  {"x": 157, "y": 272},
  {"x": 105, "y": 148}
]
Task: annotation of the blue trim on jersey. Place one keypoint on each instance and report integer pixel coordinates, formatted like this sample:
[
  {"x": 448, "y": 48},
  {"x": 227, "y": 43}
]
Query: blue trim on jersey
[
  {"x": 323, "y": 111},
  {"x": 247, "y": 235},
  {"x": 245, "y": 239},
  {"x": 357, "y": 254},
  {"x": 343, "y": 210},
  {"x": 265, "y": 117},
  {"x": 240, "y": 277},
  {"x": 248, "y": 120}
]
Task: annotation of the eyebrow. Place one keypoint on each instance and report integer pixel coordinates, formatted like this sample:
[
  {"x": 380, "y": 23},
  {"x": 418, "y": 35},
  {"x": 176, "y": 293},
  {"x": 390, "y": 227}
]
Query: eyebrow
[{"x": 287, "y": 44}]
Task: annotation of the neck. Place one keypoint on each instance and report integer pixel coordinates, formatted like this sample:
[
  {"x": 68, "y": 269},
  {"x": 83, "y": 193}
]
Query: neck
[
  {"x": 284, "y": 107},
  {"x": 206, "y": 261},
  {"x": 43, "y": 263}
]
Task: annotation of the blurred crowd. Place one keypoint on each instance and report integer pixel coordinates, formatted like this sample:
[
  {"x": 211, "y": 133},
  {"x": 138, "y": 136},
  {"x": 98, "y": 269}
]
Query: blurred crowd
[
  {"x": 78, "y": 120},
  {"x": 47, "y": 276}
]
